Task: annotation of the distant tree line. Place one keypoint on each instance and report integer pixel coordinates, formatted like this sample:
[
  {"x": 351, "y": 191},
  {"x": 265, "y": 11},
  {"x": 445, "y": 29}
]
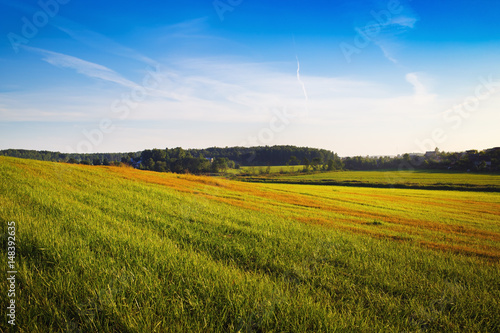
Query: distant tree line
[
  {"x": 210, "y": 160},
  {"x": 44, "y": 155},
  {"x": 264, "y": 155},
  {"x": 214, "y": 160},
  {"x": 178, "y": 160},
  {"x": 471, "y": 160}
]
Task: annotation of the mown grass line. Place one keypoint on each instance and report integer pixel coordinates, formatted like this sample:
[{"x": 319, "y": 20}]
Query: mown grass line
[
  {"x": 100, "y": 252},
  {"x": 356, "y": 183}
]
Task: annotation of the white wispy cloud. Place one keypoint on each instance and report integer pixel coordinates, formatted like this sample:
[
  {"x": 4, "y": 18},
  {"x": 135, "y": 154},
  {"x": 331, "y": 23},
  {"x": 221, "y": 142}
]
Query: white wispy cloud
[
  {"x": 386, "y": 52},
  {"x": 100, "y": 72},
  {"x": 200, "y": 89},
  {"x": 81, "y": 66},
  {"x": 387, "y": 32},
  {"x": 98, "y": 41},
  {"x": 420, "y": 89},
  {"x": 225, "y": 90},
  {"x": 421, "y": 94},
  {"x": 404, "y": 21}
]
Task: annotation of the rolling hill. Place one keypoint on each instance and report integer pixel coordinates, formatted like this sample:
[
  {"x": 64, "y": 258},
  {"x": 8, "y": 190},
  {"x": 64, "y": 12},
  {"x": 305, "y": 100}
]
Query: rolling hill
[{"x": 115, "y": 249}]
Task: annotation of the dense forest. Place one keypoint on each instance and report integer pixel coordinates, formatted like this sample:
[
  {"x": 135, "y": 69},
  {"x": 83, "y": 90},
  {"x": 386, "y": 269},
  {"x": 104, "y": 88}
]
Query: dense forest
[
  {"x": 219, "y": 159},
  {"x": 195, "y": 160},
  {"x": 214, "y": 160},
  {"x": 265, "y": 155}
]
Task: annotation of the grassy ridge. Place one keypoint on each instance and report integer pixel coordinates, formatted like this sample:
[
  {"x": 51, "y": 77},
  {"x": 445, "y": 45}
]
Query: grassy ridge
[
  {"x": 116, "y": 249},
  {"x": 387, "y": 179},
  {"x": 263, "y": 169}
]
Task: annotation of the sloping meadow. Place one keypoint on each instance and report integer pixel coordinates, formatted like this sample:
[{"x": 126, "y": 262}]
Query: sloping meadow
[{"x": 107, "y": 249}]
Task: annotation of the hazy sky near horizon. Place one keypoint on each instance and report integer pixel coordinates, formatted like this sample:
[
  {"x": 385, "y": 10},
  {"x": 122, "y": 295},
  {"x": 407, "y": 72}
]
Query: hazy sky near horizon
[{"x": 359, "y": 77}]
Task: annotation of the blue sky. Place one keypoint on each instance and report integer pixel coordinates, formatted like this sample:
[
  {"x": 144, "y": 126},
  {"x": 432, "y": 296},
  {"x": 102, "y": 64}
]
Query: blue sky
[{"x": 359, "y": 77}]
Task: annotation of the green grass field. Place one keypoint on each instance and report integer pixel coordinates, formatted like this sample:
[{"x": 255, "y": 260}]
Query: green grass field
[
  {"x": 262, "y": 169},
  {"x": 110, "y": 249},
  {"x": 403, "y": 179}
]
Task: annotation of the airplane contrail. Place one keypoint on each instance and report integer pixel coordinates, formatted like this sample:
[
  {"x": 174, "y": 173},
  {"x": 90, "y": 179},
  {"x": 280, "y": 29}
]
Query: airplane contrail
[
  {"x": 300, "y": 81},
  {"x": 298, "y": 76}
]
